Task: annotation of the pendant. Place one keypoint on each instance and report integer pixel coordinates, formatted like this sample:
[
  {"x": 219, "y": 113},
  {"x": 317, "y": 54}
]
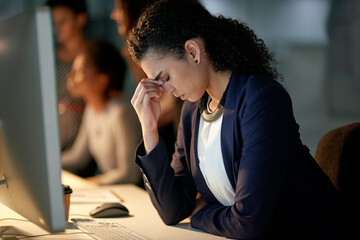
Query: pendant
[{"x": 212, "y": 116}]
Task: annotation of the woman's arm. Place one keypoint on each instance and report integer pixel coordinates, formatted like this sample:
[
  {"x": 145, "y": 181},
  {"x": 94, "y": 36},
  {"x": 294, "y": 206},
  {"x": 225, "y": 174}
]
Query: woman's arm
[
  {"x": 172, "y": 191},
  {"x": 146, "y": 102},
  {"x": 78, "y": 155},
  {"x": 173, "y": 197}
]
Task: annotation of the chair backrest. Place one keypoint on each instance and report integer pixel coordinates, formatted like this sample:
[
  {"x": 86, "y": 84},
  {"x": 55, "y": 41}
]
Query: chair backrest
[{"x": 338, "y": 154}]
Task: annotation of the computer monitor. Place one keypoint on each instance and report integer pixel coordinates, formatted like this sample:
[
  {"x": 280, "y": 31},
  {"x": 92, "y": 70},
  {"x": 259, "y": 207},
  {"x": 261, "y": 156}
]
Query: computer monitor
[{"x": 30, "y": 166}]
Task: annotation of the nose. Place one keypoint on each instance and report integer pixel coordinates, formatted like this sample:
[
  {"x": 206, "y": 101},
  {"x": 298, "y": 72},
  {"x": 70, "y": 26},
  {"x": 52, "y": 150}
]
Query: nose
[
  {"x": 113, "y": 14},
  {"x": 168, "y": 88}
]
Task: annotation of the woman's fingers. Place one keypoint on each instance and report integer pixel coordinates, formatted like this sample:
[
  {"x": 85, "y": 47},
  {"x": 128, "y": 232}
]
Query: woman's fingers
[
  {"x": 146, "y": 95},
  {"x": 146, "y": 101},
  {"x": 150, "y": 92},
  {"x": 147, "y": 86}
]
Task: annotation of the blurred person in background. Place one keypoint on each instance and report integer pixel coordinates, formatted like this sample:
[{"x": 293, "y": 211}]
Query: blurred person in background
[
  {"x": 110, "y": 130},
  {"x": 69, "y": 20}
]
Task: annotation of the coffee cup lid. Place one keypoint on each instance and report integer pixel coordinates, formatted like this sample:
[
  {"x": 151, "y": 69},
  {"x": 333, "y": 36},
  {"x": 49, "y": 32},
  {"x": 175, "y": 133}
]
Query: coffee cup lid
[{"x": 67, "y": 189}]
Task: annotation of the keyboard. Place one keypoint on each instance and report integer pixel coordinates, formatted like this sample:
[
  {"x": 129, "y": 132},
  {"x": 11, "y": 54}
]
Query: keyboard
[{"x": 104, "y": 230}]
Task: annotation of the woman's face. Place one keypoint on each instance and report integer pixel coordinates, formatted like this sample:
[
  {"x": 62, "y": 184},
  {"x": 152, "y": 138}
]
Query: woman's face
[
  {"x": 183, "y": 77},
  {"x": 83, "y": 79},
  {"x": 118, "y": 15},
  {"x": 66, "y": 23}
]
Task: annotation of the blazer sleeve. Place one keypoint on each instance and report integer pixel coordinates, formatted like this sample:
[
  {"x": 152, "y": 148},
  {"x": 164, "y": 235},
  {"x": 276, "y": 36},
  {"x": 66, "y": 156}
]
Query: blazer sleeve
[
  {"x": 267, "y": 131},
  {"x": 170, "y": 186}
]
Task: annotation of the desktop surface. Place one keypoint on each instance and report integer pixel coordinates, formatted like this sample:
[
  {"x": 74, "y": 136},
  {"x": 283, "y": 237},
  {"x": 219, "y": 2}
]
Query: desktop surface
[{"x": 143, "y": 218}]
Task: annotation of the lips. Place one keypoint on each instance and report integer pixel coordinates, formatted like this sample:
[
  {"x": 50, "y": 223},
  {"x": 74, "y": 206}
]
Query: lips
[{"x": 179, "y": 96}]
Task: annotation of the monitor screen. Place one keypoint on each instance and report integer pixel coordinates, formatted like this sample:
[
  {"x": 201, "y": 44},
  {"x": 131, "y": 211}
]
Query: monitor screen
[{"x": 30, "y": 166}]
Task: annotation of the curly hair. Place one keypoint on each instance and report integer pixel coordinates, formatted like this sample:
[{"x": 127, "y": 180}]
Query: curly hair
[{"x": 231, "y": 45}]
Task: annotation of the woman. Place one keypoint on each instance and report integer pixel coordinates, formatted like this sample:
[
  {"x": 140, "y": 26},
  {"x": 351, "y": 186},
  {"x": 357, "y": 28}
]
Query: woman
[
  {"x": 126, "y": 14},
  {"x": 110, "y": 130},
  {"x": 239, "y": 169},
  {"x": 69, "y": 18}
]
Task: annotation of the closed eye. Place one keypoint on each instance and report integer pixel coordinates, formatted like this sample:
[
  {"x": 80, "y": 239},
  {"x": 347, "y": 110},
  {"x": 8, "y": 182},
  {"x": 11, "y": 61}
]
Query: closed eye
[{"x": 167, "y": 79}]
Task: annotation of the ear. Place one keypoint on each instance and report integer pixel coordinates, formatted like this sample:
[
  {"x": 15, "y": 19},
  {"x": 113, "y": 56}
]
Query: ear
[
  {"x": 192, "y": 47},
  {"x": 81, "y": 19}
]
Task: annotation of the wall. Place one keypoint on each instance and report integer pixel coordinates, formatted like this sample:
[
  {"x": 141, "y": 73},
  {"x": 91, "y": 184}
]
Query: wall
[{"x": 296, "y": 30}]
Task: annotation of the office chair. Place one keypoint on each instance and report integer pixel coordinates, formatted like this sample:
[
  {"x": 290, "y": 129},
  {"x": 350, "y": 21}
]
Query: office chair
[{"x": 338, "y": 154}]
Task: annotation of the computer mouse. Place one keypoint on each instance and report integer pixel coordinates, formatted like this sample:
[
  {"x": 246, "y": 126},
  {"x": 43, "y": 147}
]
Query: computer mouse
[{"x": 108, "y": 210}]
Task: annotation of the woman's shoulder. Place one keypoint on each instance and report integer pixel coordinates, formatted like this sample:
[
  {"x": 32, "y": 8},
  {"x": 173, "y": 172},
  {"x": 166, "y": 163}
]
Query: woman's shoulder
[
  {"x": 118, "y": 104},
  {"x": 262, "y": 91},
  {"x": 244, "y": 86},
  {"x": 257, "y": 84},
  {"x": 255, "y": 92}
]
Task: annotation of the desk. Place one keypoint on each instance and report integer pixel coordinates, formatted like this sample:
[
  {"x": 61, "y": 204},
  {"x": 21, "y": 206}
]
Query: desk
[{"x": 143, "y": 219}]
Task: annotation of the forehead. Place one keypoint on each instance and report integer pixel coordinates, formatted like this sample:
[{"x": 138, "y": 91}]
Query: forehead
[
  {"x": 153, "y": 63},
  {"x": 62, "y": 11}
]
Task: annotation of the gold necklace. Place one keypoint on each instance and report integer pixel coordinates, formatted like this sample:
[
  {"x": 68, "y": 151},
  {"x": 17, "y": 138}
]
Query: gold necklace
[
  {"x": 206, "y": 113},
  {"x": 211, "y": 116}
]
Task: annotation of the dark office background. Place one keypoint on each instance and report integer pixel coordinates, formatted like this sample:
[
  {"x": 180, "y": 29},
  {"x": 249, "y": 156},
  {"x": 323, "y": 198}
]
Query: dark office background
[{"x": 316, "y": 42}]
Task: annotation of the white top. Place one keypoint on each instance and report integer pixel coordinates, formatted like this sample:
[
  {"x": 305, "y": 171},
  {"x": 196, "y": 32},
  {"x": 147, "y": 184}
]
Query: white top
[
  {"x": 111, "y": 137},
  {"x": 211, "y": 161}
]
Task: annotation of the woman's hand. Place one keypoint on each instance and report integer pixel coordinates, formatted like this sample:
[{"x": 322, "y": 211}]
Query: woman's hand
[
  {"x": 93, "y": 179},
  {"x": 146, "y": 101}
]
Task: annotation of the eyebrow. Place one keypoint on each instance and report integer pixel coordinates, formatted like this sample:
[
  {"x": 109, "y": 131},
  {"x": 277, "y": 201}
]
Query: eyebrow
[{"x": 158, "y": 75}]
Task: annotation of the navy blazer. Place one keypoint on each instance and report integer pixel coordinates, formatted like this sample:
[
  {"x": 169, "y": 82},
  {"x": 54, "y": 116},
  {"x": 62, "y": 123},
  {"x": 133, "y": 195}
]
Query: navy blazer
[{"x": 280, "y": 191}]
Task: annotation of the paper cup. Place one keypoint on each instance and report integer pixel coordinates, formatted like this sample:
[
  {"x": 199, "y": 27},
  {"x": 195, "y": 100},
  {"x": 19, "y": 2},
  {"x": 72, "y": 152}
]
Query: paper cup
[{"x": 67, "y": 194}]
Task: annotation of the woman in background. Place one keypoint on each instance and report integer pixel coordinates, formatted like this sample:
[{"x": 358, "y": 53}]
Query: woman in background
[
  {"x": 110, "y": 129},
  {"x": 126, "y": 14},
  {"x": 69, "y": 19},
  {"x": 239, "y": 169}
]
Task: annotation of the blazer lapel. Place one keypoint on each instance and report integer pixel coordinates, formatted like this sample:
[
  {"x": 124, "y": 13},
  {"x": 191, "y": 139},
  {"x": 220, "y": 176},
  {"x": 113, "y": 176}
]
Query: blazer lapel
[{"x": 231, "y": 137}]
